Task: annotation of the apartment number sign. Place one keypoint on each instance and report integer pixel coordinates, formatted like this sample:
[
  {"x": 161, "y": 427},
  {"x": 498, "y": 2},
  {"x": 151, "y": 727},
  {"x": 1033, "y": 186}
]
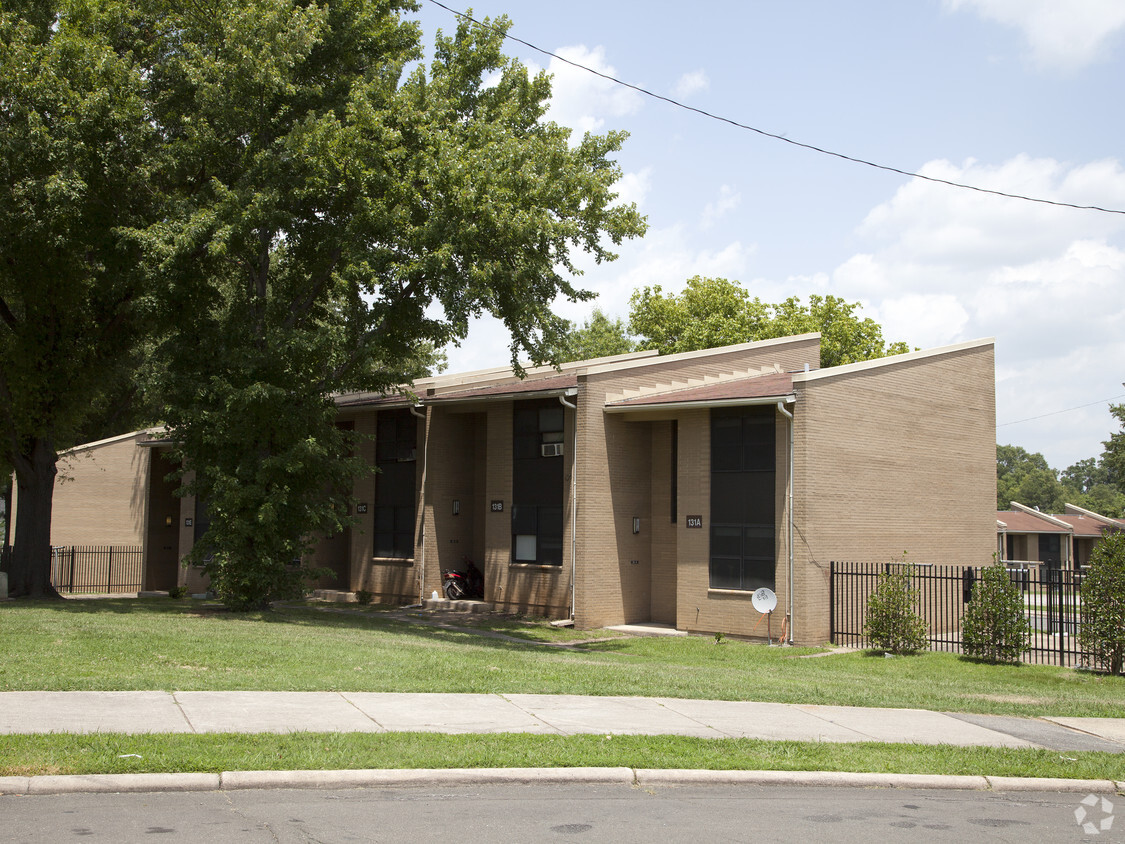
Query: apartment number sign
[{"x": 695, "y": 522}]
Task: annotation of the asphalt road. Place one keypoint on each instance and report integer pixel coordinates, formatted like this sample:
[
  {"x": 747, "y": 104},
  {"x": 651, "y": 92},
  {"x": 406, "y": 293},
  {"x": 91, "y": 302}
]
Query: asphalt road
[{"x": 558, "y": 812}]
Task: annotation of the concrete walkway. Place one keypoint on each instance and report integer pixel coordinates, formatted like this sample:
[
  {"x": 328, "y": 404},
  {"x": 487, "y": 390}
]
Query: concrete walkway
[
  {"x": 373, "y": 712},
  {"x": 283, "y": 712}
]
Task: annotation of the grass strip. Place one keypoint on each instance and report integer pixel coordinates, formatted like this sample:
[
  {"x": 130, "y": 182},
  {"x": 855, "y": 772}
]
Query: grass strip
[
  {"x": 104, "y": 753},
  {"x": 159, "y": 644}
]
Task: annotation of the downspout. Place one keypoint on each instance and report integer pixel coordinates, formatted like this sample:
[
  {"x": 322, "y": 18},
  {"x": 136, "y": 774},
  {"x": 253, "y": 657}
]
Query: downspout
[
  {"x": 789, "y": 519},
  {"x": 573, "y": 503},
  {"x": 422, "y": 501}
]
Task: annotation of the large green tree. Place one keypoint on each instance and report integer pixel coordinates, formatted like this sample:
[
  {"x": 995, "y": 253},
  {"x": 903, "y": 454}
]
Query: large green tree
[
  {"x": 334, "y": 208},
  {"x": 1113, "y": 455},
  {"x": 1026, "y": 478},
  {"x": 76, "y": 146},
  {"x": 599, "y": 336},
  {"x": 714, "y": 312}
]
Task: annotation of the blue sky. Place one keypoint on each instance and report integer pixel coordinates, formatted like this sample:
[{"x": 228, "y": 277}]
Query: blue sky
[{"x": 1022, "y": 96}]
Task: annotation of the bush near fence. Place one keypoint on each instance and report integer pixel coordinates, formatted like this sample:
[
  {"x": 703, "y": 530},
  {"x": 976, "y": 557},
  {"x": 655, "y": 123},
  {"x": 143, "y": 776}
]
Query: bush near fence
[{"x": 1052, "y": 598}]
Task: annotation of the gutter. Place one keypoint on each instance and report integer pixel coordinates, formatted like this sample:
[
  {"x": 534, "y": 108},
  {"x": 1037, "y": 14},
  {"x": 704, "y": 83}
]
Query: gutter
[
  {"x": 573, "y": 499},
  {"x": 425, "y": 454},
  {"x": 789, "y": 519}
]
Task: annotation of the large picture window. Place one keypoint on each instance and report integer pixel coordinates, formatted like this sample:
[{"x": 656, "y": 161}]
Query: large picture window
[
  {"x": 537, "y": 482},
  {"x": 743, "y": 517},
  {"x": 396, "y": 448}
]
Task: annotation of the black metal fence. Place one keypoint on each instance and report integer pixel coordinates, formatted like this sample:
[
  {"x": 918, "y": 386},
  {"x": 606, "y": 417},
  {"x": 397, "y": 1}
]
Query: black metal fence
[
  {"x": 1052, "y": 602},
  {"x": 97, "y": 568}
]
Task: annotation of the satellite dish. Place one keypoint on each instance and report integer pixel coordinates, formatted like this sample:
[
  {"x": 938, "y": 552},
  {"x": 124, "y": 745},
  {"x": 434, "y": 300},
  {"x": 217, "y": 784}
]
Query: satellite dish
[{"x": 764, "y": 600}]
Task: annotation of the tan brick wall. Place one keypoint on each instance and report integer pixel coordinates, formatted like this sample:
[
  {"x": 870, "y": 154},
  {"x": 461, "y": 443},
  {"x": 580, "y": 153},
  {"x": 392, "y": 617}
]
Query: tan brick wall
[
  {"x": 694, "y": 545},
  {"x": 664, "y": 533},
  {"x": 451, "y": 474},
  {"x": 101, "y": 495},
  {"x": 891, "y": 459},
  {"x": 623, "y": 472}
]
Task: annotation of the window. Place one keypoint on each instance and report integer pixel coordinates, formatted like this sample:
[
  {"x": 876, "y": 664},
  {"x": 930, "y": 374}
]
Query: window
[
  {"x": 396, "y": 448},
  {"x": 537, "y": 482},
  {"x": 743, "y": 518}
]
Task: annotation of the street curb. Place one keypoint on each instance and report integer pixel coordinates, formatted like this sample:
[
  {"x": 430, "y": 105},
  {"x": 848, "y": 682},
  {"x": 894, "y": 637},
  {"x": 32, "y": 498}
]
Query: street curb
[
  {"x": 420, "y": 776},
  {"x": 121, "y": 783},
  {"x": 825, "y": 779},
  {"x": 406, "y": 777}
]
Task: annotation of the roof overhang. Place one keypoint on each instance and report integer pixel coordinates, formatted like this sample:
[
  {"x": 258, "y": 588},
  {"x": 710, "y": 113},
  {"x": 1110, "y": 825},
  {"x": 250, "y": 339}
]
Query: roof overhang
[{"x": 701, "y": 404}]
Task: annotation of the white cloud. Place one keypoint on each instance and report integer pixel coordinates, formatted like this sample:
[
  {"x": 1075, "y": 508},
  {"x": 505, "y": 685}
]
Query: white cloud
[
  {"x": 691, "y": 83},
  {"x": 581, "y": 100},
  {"x": 1066, "y": 34},
  {"x": 634, "y": 187},
  {"x": 946, "y": 265},
  {"x": 962, "y": 229},
  {"x": 728, "y": 200}
]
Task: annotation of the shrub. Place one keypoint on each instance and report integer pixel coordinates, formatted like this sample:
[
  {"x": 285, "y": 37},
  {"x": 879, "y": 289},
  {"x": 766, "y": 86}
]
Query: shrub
[
  {"x": 1102, "y": 632},
  {"x": 362, "y": 596},
  {"x": 177, "y": 592},
  {"x": 892, "y": 624},
  {"x": 995, "y": 626}
]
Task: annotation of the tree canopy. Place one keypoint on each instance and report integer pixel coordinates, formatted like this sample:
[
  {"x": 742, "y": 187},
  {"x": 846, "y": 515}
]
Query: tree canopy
[
  {"x": 290, "y": 205},
  {"x": 714, "y": 312},
  {"x": 77, "y": 157},
  {"x": 597, "y": 337},
  {"x": 1027, "y": 478},
  {"x": 336, "y": 211}
]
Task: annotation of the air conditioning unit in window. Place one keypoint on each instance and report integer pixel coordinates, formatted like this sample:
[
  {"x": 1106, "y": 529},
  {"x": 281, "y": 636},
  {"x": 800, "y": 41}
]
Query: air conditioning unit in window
[{"x": 551, "y": 450}]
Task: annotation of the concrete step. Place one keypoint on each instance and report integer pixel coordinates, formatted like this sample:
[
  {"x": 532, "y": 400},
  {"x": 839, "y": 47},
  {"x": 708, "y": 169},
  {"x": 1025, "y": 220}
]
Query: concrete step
[{"x": 446, "y": 605}]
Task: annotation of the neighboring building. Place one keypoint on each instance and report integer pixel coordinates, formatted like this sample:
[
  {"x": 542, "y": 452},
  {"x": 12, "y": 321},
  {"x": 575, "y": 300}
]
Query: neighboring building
[
  {"x": 116, "y": 492},
  {"x": 1059, "y": 540},
  {"x": 641, "y": 487}
]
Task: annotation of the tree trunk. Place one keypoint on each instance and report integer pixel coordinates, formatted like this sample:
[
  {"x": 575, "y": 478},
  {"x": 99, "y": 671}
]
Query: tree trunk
[{"x": 30, "y": 574}]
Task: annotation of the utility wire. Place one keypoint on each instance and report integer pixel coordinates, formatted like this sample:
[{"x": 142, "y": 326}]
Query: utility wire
[
  {"x": 1057, "y": 412},
  {"x": 772, "y": 135}
]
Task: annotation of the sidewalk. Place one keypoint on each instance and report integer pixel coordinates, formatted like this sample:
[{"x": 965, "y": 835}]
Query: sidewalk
[
  {"x": 367, "y": 712},
  {"x": 280, "y": 712}
]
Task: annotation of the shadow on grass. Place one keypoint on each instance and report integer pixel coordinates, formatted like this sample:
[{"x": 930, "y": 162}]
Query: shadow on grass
[
  {"x": 95, "y": 605},
  {"x": 323, "y": 618}
]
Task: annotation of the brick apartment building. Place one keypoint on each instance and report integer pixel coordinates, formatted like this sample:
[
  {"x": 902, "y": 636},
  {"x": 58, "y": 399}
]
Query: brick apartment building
[{"x": 637, "y": 488}]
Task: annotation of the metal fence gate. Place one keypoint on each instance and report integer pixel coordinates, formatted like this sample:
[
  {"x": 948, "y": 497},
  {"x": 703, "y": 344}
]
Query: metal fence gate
[
  {"x": 1052, "y": 606},
  {"x": 97, "y": 568}
]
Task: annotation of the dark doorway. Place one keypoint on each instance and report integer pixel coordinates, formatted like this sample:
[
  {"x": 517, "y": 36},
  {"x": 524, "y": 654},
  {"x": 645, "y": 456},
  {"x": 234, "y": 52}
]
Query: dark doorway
[
  {"x": 1050, "y": 549},
  {"x": 162, "y": 563}
]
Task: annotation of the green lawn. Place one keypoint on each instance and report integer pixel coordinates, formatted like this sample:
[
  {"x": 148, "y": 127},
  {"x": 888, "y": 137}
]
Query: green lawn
[
  {"x": 186, "y": 645},
  {"x": 183, "y": 645}
]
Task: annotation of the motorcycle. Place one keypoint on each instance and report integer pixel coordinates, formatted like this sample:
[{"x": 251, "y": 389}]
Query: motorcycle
[{"x": 462, "y": 585}]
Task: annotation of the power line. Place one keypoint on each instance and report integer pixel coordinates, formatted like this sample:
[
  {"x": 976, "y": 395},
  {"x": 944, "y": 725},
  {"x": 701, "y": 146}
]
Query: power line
[
  {"x": 1057, "y": 412},
  {"x": 773, "y": 135}
]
